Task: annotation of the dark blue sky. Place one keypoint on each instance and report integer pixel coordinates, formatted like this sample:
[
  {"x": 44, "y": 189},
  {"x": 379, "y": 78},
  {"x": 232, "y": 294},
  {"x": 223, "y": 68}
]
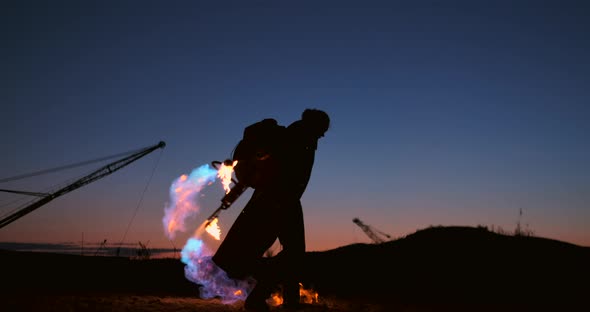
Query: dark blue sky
[{"x": 443, "y": 112}]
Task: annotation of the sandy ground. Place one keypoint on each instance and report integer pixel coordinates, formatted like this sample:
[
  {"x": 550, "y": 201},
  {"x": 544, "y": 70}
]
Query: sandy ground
[
  {"x": 119, "y": 302},
  {"x": 153, "y": 303}
]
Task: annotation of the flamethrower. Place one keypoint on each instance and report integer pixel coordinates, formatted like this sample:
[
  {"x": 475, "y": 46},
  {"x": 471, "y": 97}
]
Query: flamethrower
[{"x": 229, "y": 198}]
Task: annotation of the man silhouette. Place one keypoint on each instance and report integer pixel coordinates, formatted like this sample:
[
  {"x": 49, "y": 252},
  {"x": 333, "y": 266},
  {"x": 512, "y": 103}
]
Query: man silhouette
[{"x": 274, "y": 212}]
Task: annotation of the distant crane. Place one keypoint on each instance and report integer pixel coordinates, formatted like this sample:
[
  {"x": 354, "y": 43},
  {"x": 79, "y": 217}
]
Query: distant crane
[{"x": 371, "y": 232}]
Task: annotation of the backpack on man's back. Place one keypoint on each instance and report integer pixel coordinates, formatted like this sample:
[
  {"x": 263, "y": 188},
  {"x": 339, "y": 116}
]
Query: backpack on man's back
[{"x": 258, "y": 153}]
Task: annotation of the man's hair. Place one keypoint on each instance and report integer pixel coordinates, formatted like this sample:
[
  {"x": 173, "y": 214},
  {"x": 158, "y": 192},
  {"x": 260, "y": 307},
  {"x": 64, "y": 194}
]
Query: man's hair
[{"x": 318, "y": 118}]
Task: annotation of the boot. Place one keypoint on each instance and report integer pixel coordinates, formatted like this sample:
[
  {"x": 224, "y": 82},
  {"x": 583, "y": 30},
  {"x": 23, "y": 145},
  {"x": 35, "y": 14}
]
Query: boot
[
  {"x": 256, "y": 301},
  {"x": 291, "y": 298}
]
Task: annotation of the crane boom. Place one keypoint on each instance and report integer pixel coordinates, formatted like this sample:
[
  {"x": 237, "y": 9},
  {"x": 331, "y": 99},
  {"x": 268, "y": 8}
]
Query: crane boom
[
  {"x": 369, "y": 231},
  {"x": 100, "y": 173}
]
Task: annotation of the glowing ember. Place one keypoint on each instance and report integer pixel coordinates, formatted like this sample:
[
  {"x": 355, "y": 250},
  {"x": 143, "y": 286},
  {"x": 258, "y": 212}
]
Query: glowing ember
[
  {"x": 225, "y": 175},
  {"x": 309, "y": 296},
  {"x": 276, "y": 299},
  {"x": 213, "y": 229}
]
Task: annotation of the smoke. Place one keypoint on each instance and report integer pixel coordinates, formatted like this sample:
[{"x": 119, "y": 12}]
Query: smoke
[{"x": 184, "y": 193}]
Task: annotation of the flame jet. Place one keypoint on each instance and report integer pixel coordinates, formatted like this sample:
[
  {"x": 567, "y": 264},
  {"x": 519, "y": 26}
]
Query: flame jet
[
  {"x": 199, "y": 268},
  {"x": 231, "y": 194},
  {"x": 184, "y": 193}
]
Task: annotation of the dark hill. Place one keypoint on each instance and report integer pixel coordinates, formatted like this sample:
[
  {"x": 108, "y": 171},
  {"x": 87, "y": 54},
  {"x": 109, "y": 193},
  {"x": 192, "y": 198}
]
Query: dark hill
[
  {"x": 455, "y": 264},
  {"x": 74, "y": 274}
]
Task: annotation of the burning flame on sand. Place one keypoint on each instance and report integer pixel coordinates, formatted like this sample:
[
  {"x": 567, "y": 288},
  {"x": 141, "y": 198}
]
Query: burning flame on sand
[{"x": 309, "y": 296}]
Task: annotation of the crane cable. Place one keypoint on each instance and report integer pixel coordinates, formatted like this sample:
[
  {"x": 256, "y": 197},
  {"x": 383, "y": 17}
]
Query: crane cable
[
  {"x": 46, "y": 171},
  {"x": 22, "y": 176},
  {"x": 140, "y": 201},
  {"x": 70, "y": 166}
]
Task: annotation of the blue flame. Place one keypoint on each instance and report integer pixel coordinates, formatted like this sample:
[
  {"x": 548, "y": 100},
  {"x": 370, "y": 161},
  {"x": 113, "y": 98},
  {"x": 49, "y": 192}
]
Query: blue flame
[{"x": 213, "y": 281}]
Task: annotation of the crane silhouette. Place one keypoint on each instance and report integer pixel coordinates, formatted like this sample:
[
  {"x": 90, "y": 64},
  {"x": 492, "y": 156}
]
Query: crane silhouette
[
  {"x": 371, "y": 232},
  {"x": 98, "y": 174}
]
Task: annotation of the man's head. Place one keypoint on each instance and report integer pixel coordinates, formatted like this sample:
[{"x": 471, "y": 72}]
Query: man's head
[{"x": 317, "y": 121}]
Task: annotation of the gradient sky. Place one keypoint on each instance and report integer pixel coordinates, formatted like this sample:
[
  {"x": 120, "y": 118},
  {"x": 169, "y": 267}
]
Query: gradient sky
[{"x": 443, "y": 113}]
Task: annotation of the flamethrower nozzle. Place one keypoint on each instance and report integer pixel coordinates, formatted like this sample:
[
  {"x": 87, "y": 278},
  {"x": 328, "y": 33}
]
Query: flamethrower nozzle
[
  {"x": 213, "y": 216},
  {"x": 227, "y": 200},
  {"x": 233, "y": 194}
]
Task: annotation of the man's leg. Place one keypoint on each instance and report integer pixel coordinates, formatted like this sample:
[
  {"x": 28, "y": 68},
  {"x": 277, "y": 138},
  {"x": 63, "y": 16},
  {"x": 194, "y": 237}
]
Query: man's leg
[
  {"x": 249, "y": 237},
  {"x": 267, "y": 274},
  {"x": 242, "y": 250},
  {"x": 290, "y": 259}
]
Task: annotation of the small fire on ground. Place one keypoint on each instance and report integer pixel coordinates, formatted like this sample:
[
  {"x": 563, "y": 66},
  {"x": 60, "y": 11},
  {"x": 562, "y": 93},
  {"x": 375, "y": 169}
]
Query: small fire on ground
[{"x": 309, "y": 296}]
